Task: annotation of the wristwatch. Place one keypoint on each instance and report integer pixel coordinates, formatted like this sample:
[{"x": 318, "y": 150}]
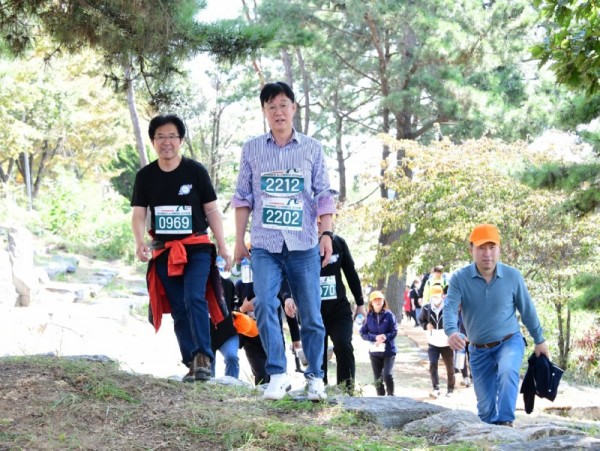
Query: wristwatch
[{"x": 328, "y": 233}]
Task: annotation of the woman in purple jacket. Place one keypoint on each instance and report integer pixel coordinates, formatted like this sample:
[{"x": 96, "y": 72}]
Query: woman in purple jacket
[{"x": 380, "y": 329}]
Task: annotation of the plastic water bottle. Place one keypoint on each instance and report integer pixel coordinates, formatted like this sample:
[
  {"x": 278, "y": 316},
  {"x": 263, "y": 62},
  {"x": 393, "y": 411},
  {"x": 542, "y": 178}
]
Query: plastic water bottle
[
  {"x": 358, "y": 321},
  {"x": 246, "y": 271},
  {"x": 220, "y": 263},
  {"x": 459, "y": 359}
]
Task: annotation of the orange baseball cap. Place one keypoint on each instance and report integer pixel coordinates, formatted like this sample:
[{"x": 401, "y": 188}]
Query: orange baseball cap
[{"x": 485, "y": 233}]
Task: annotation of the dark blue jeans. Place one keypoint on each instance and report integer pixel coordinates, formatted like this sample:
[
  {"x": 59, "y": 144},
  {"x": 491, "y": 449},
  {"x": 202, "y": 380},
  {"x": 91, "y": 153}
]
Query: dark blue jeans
[{"x": 189, "y": 307}]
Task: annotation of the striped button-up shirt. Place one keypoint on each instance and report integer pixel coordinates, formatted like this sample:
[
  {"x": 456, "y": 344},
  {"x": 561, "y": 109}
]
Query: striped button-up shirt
[{"x": 261, "y": 155}]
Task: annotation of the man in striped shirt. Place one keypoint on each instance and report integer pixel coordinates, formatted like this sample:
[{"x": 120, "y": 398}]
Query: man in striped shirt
[{"x": 283, "y": 182}]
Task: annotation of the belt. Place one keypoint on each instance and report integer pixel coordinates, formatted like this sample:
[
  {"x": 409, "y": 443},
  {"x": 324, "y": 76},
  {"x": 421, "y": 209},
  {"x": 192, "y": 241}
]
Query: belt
[{"x": 493, "y": 343}]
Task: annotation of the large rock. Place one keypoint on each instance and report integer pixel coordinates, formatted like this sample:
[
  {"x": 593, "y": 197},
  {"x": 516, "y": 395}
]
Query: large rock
[
  {"x": 24, "y": 276},
  {"x": 8, "y": 294},
  {"x": 389, "y": 411}
]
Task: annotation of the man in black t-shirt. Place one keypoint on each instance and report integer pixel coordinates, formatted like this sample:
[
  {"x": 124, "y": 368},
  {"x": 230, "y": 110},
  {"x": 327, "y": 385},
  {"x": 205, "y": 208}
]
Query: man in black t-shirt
[{"x": 183, "y": 205}]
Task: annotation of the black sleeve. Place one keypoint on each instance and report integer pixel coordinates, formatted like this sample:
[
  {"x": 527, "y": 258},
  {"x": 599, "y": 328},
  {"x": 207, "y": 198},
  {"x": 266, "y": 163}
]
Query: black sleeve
[
  {"x": 350, "y": 271},
  {"x": 424, "y": 317},
  {"x": 422, "y": 287},
  {"x": 294, "y": 328},
  {"x": 285, "y": 291},
  {"x": 244, "y": 290},
  {"x": 228, "y": 293}
]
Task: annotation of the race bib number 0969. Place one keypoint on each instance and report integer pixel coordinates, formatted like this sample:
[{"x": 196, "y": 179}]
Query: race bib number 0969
[{"x": 173, "y": 219}]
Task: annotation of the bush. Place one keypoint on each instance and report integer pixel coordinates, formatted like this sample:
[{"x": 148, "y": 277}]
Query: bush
[
  {"x": 588, "y": 355},
  {"x": 90, "y": 218}
]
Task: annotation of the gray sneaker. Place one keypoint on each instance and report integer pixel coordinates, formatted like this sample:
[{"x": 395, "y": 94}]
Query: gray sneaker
[{"x": 202, "y": 370}]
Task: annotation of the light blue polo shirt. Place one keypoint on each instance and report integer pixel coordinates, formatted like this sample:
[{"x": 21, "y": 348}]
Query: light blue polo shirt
[{"x": 489, "y": 309}]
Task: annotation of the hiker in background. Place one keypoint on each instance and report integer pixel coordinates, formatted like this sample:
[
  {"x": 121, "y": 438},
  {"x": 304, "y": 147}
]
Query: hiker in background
[
  {"x": 437, "y": 277},
  {"x": 380, "y": 329},
  {"x": 415, "y": 301},
  {"x": 224, "y": 338},
  {"x": 491, "y": 293},
  {"x": 407, "y": 305},
  {"x": 182, "y": 276},
  {"x": 432, "y": 321},
  {"x": 337, "y": 311}
]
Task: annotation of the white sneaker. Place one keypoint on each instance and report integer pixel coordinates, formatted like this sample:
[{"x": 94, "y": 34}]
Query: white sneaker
[
  {"x": 435, "y": 394},
  {"x": 316, "y": 389},
  {"x": 466, "y": 381},
  {"x": 278, "y": 387}
]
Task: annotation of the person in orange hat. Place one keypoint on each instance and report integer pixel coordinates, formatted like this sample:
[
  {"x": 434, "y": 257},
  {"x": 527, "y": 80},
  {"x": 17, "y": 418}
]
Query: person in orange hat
[
  {"x": 380, "y": 329},
  {"x": 490, "y": 294},
  {"x": 432, "y": 320}
]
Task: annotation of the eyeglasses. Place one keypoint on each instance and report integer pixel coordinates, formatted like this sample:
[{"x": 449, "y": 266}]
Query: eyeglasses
[
  {"x": 162, "y": 138},
  {"x": 275, "y": 108}
]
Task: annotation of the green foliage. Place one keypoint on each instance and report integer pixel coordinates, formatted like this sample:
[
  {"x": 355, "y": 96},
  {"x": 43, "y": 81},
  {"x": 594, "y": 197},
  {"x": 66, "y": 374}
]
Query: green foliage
[
  {"x": 88, "y": 217},
  {"x": 580, "y": 180},
  {"x": 455, "y": 187},
  {"x": 125, "y": 164},
  {"x": 589, "y": 284},
  {"x": 149, "y": 37},
  {"x": 572, "y": 29}
]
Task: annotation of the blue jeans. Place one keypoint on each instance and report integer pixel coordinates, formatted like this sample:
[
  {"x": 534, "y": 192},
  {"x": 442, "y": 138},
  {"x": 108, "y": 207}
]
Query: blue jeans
[
  {"x": 495, "y": 374},
  {"x": 189, "y": 307},
  {"x": 417, "y": 314},
  {"x": 303, "y": 269},
  {"x": 229, "y": 350}
]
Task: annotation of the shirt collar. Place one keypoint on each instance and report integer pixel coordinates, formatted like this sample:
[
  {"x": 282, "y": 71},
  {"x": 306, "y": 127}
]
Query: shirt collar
[
  {"x": 498, "y": 273},
  {"x": 295, "y": 137}
]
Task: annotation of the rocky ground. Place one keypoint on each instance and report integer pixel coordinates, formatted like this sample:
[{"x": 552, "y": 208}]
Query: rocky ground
[{"x": 99, "y": 310}]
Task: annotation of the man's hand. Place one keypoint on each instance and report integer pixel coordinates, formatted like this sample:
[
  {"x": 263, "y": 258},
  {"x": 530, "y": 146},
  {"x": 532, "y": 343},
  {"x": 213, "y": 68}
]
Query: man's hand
[
  {"x": 325, "y": 249},
  {"x": 429, "y": 326},
  {"x": 289, "y": 306},
  {"x": 247, "y": 306},
  {"x": 223, "y": 253},
  {"x": 457, "y": 341},
  {"x": 143, "y": 252},
  {"x": 240, "y": 251},
  {"x": 360, "y": 310},
  {"x": 542, "y": 348}
]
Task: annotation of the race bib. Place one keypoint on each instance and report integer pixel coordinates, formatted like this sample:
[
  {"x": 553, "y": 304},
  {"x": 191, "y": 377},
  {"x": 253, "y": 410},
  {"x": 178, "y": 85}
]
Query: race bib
[
  {"x": 282, "y": 214},
  {"x": 282, "y": 183},
  {"x": 173, "y": 219},
  {"x": 328, "y": 288}
]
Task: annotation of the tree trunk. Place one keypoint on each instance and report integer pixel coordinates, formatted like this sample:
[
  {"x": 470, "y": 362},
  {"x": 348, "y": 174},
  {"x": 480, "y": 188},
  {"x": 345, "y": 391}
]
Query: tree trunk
[
  {"x": 5, "y": 176},
  {"x": 289, "y": 78},
  {"x": 306, "y": 89},
  {"x": 564, "y": 333},
  {"x": 339, "y": 151},
  {"x": 135, "y": 120}
]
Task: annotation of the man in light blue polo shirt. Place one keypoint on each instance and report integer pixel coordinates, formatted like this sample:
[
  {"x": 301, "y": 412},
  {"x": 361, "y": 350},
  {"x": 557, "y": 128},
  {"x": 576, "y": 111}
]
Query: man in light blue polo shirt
[
  {"x": 490, "y": 294},
  {"x": 283, "y": 183}
]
